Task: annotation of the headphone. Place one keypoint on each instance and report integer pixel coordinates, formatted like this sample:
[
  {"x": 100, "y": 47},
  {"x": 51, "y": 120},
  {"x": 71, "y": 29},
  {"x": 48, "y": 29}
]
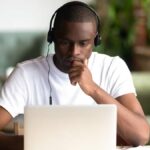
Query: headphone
[{"x": 50, "y": 36}]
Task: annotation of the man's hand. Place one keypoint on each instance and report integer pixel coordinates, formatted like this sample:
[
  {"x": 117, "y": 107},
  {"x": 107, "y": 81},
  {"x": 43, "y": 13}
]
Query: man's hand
[
  {"x": 79, "y": 73},
  {"x": 5, "y": 117}
]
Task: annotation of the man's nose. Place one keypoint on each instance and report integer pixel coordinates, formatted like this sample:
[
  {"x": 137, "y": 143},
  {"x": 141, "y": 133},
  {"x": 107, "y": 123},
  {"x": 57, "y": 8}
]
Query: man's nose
[{"x": 75, "y": 49}]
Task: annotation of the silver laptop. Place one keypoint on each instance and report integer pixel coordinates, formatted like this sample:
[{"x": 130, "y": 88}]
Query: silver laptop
[{"x": 70, "y": 127}]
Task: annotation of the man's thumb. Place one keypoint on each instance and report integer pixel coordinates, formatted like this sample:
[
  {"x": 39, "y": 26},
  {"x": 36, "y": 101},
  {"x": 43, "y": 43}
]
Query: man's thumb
[{"x": 86, "y": 62}]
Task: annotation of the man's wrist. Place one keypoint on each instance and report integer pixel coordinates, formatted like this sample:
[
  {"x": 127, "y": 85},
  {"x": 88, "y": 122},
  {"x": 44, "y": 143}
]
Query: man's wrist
[{"x": 93, "y": 90}]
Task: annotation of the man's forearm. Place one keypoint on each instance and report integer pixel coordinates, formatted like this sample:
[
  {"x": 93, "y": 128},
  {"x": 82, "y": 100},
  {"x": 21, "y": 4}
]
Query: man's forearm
[{"x": 131, "y": 124}]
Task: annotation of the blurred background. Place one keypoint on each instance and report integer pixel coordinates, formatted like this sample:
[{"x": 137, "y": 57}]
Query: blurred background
[{"x": 125, "y": 30}]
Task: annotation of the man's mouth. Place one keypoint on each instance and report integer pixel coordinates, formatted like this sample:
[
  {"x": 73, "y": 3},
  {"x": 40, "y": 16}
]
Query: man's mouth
[{"x": 69, "y": 61}]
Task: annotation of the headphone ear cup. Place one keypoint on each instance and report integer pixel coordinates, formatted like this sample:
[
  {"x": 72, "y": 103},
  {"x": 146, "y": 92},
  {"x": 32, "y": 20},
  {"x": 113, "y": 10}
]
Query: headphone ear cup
[
  {"x": 50, "y": 36},
  {"x": 97, "y": 40}
]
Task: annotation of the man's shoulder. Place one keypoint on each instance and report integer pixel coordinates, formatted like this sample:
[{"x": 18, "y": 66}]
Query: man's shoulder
[
  {"x": 103, "y": 61},
  {"x": 100, "y": 57},
  {"x": 38, "y": 61},
  {"x": 33, "y": 66}
]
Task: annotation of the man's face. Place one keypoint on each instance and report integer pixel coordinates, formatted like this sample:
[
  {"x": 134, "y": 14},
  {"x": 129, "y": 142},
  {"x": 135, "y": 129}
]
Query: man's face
[{"x": 73, "y": 41}]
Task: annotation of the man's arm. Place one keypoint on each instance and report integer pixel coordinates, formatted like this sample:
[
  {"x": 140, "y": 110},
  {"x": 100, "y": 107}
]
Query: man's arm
[
  {"x": 132, "y": 126},
  {"x": 5, "y": 117},
  {"x": 135, "y": 123}
]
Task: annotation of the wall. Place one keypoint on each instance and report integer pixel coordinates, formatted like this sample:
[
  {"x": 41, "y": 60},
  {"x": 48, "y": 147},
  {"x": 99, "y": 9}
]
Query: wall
[
  {"x": 16, "y": 15},
  {"x": 23, "y": 29}
]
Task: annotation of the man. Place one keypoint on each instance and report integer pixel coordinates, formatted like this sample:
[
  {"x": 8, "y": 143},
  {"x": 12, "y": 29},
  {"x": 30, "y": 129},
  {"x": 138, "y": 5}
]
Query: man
[{"x": 76, "y": 75}]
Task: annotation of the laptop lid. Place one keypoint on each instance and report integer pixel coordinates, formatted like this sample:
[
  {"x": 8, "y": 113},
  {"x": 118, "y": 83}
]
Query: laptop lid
[{"x": 70, "y": 127}]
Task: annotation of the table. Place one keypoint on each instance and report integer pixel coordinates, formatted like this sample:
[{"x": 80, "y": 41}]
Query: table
[
  {"x": 11, "y": 142},
  {"x": 15, "y": 142}
]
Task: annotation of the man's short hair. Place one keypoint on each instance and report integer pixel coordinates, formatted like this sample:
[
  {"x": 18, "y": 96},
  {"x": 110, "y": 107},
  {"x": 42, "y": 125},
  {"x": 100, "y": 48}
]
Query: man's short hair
[{"x": 75, "y": 13}]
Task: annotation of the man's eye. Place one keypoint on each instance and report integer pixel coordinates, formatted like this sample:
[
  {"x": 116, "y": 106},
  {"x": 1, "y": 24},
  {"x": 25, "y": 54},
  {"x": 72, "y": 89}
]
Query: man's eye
[
  {"x": 63, "y": 42},
  {"x": 84, "y": 43}
]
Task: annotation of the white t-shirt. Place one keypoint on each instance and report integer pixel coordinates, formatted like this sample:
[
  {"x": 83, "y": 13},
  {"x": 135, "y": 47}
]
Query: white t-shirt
[{"x": 28, "y": 84}]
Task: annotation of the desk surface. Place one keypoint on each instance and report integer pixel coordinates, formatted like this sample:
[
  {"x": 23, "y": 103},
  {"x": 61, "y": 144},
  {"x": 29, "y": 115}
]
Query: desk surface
[{"x": 11, "y": 142}]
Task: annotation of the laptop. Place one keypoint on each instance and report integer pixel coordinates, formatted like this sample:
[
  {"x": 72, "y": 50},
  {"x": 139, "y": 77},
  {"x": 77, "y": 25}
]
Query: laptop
[{"x": 70, "y": 127}]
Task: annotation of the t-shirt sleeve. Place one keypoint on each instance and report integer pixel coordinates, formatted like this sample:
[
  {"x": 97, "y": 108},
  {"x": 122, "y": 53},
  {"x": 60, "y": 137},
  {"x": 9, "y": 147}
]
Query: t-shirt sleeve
[
  {"x": 14, "y": 92},
  {"x": 120, "y": 78}
]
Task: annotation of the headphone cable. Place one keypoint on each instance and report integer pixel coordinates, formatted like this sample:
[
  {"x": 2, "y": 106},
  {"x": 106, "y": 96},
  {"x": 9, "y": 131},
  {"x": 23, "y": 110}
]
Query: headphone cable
[{"x": 50, "y": 88}]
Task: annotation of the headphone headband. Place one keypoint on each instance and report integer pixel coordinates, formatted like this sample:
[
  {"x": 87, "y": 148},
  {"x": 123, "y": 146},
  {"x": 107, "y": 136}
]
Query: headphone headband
[{"x": 74, "y": 3}]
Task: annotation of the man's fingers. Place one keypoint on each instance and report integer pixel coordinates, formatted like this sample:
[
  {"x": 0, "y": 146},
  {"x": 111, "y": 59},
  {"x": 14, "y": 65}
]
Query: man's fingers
[{"x": 86, "y": 62}]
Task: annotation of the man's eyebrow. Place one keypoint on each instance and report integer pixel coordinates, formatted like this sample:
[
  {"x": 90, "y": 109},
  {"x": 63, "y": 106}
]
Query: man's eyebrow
[
  {"x": 63, "y": 38},
  {"x": 67, "y": 39},
  {"x": 85, "y": 40}
]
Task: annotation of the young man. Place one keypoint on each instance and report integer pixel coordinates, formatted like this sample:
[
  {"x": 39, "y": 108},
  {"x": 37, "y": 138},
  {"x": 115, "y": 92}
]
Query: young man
[{"x": 76, "y": 75}]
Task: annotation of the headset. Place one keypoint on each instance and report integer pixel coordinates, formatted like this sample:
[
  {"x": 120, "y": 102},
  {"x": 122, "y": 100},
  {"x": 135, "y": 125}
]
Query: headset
[{"x": 50, "y": 36}]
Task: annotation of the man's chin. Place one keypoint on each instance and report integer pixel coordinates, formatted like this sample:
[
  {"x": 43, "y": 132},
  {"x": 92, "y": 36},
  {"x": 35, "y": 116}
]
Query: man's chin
[{"x": 65, "y": 68}]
